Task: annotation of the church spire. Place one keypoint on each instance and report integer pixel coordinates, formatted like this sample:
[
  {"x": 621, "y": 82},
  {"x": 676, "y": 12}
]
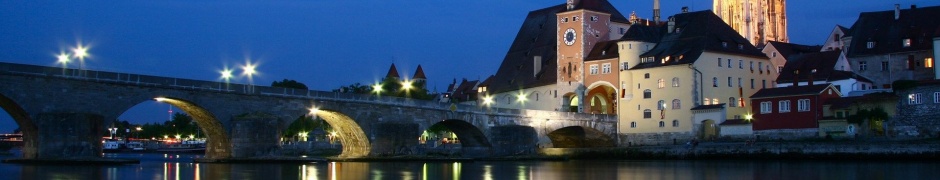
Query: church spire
[{"x": 393, "y": 72}]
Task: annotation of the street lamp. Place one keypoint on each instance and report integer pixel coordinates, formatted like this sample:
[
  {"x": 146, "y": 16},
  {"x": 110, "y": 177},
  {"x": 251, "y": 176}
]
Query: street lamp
[
  {"x": 249, "y": 70},
  {"x": 406, "y": 85},
  {"x": 377, "y": 88},
  {"x": 138, "y": 131},
  {"x": 63, "y": 58},
  {"x": 80, "y": 52},
  {"x": 487, "y": 100}
]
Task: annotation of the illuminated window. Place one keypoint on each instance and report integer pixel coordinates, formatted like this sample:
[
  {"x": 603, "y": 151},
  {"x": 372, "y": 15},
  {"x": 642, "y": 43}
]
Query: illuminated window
[
  {"x": 707, "y": 101},
  {"x": 928, "y": 62},
  {"x": 715, "y": 101},
  {"x": 916, "y": 98},
  {"x": 675, "y": 82},
  {"x": 661, "y": 105},
  {"x": 906, "y": 42},
  {"x": 936, "y": 97}
]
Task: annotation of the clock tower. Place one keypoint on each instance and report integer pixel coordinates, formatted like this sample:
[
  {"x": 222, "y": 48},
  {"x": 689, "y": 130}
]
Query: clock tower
[{"x": 580, "y": 27}]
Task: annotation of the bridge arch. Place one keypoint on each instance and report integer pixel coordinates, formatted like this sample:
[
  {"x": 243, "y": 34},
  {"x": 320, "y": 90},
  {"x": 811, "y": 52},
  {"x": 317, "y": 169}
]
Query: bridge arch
[
  {"x": 350, "y": 134},
  {"x": 27, "y": 126},
  {"x": 218, "y": 143},
  {"x": 469, "y": 135},
  {"x": 580, "y": 137}
]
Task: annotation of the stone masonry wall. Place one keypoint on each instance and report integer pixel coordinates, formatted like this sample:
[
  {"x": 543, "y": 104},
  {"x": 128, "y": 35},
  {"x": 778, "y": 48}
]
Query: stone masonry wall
[{"x": 923, "y": 119}]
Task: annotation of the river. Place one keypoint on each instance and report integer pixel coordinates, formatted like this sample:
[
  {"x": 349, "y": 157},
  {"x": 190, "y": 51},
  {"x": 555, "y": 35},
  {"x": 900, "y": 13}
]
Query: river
[{"x": 168, "y": 166}]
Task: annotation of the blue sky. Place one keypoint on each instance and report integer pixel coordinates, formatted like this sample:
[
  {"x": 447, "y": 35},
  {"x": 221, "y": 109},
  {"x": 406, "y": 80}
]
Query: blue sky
[{"x": 324, "y": 44}]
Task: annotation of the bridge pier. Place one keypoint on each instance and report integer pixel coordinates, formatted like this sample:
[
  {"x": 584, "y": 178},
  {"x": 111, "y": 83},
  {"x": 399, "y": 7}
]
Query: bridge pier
[
  {"x": 395, "y": 138},
  {"x": 69, "y": 135},
  {"x": 254, "y": 136},
  {"x": 513, "y": 140}
]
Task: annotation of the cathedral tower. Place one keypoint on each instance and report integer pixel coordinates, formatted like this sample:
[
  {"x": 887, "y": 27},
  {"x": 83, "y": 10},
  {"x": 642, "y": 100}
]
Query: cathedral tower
[{"x": 759, "y": 21}]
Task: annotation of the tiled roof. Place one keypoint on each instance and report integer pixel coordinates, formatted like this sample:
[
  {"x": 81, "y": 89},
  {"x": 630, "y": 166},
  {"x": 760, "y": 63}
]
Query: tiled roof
[
  {"x": 735, "y": 122},
  {"x": 392, "y": 72},
  {"x": 713, "y": 106},
  {"x": 419, "y": 74},
  {"x": 601, "y": 6},
  {"x": 790, "y": 91},
  {"x": 603, "y": 50},
  {"x": 643, "y": 33},
  {"x": 536, "y": 37},
  {"x": 824, "y": 64},
  {"x": 918, "y": 24},
  {"x": 695, "y": 33},
  {"x": 789, "y": 49}
]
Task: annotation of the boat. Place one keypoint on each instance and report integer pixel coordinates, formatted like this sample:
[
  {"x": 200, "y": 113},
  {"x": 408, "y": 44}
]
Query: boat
[
  {"x": 111, "y": 146},
  {"x": 185, "y": 147},
  {"x": 135, "y": 146}
]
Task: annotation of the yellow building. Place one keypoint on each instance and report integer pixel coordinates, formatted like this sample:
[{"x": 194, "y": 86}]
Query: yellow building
[
  {"x": 759, "y": 21},
  {"x": 684, "y": 78}
]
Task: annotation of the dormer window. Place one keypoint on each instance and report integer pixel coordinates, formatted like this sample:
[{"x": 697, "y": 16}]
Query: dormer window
[
  {"x": 870, "y": 44},
  {"x": 603, "y": 53},
  {"x": 906, "y": 42},
  {"x": 740, "y": 46},
  {"x": 724, "y": 44}
]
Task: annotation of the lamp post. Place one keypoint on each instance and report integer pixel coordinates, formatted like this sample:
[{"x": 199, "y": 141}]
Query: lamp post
[
  {"x": 377, "y": 89},
  {"x": 226, "y": 76},
  {"x": 249, "y": 70},
  {"x": 80, "y": 52},
  {"x": 138, "y": 132}
]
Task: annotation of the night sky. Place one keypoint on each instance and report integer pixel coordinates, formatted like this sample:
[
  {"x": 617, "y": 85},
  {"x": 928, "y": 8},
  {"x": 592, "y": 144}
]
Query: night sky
[{"x": 323, "y": 44}]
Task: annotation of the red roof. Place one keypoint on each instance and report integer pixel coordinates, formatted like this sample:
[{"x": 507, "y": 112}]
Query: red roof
[
  {"x": 419, "y": 74},
  {"x": 393, "y": 72}
]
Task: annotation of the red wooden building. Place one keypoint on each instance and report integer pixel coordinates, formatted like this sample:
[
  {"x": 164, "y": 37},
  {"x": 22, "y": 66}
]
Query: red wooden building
[{"x": 795, "y": 107}]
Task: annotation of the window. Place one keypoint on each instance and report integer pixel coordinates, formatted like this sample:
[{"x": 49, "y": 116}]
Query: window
[
  {"x": 724, "y": 44},
  {"x": 662, "y": 83},
  {"x": 928, "y": 62},
  {"x": 715, "y": 101},
  {"x": 862, "y": 65},
  {"x": 633, "y": 124},
  {"x": 732, "y": 102},
  {"x": 675, "y": 123},
  {"x": 802, "y": 105},
  {"x": 766, "y": 107},
  {"x": 662, "y": 124},
  {"x": 647, "y": 114},
  {"x": 779, "y": 69},
  {"x": 906, "y": 42},
  {"x": 915, "y": 99},
  {"x": 729, "y": 63},
  {"x": 739, "y": 83},
  {"x": 594, "y": 69},
  {"x": 647, "y": 94},
  {"x": 564, "y": 20},
  {"x": 760, "y": 67},
  {"x": 605, "y": 68},
  {"x": 740, "y": 46},
  {"x": 676, "y": 104},
  {"x": 752, "y": 65},
  {"x": 714, "y": 81},
  {"x": 768, "y": 68},
  {"x": 752, "y": 83},
  {"x": 646, "y": 76},
  {"x": 675, "y": 82},
  {"x": 622, "y": 30},
  {"x": 884, "y": 65},
  {"x": 661, "y": 105},
  {"x": 707, "y": 101},
  {"x": 574, "y": 18},
  {"x": 764, "y": 84},
  {"x": 840, "y": 114},
  {"x": 936, "y": 98},
  {"x": 870, "y": 44},
  {"x": 624, "y": 66},
  {"x": 594, "y": 18},
  {"x": 719, "y": 62},
  {"x": 784, "y": 106},
  {"x": 741, "y": 64},
  {"x": 730, "y": 82}
]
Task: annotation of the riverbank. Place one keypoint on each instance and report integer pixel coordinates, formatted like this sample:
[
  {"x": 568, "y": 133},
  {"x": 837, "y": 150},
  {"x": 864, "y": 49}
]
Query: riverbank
[{"x": 846, "y": 150}]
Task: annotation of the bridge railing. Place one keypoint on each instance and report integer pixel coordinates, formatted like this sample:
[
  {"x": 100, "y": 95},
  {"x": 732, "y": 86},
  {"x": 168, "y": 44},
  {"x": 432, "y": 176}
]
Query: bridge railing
[{"x": 190, "y": 84}]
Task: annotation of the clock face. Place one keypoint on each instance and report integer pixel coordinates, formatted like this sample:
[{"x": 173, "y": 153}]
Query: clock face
[{"x": 569, "y": 37}]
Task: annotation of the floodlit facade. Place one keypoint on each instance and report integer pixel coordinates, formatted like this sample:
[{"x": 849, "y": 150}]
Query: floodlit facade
[{"x": 759, "y": 21}]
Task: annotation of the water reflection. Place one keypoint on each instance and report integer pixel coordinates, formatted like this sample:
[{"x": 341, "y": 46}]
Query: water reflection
[{"x": 171, "y": 167}]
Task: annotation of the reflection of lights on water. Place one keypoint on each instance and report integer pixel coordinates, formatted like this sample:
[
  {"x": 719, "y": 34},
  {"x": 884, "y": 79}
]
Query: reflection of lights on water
[
  {"x": 377, "y": 174},
  {"x": 488, "y": 172},
  {"x": 308, "y": 172},
  {"x": 424, "y": 171},
  {"x": 456, "y": 170},
  {"x": 177, "y": 167},
  {"x": 406, "y": 175},
  {"x": 523, "y": 173},
  {"x": 333, "y": 170},
  {"x": 196, "y": 176}
]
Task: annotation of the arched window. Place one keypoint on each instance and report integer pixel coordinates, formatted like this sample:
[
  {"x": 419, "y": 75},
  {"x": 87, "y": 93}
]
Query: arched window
[
  {"x": 662, "y": 124},
  {"x": 675, "y": 123},
  {"x": 714, "y": 81},
  {"x": 647, "y": 114},
  {"x": 647, "y": 94},
  {"x": 676, "y": 104},
  {"x": 731, "y": 102},
  {"x": 662, "y": 83},
  {"x": 660, "y": 105},
  {"x": 675, "y": 82}
]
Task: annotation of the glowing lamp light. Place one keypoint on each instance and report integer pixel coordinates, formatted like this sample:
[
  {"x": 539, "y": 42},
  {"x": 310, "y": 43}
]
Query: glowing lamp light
[
  {"x": 488, "y": 100},
  {"x": 749, "y": 117},
  {"x": 249, "y": 69},
  {"x": 314, "y": 110},
  {"x": 406, "y": 85},
  {"x": 192, "y": 136},
  {"x": 160, "y": 99},
  {"x": 80, "y": 51},
  {"x": 521, "y": 97},
  {"x": 226, "y": 74},
  {"x": 63, "y": 58},
  {"x": 377, "y": 88}
]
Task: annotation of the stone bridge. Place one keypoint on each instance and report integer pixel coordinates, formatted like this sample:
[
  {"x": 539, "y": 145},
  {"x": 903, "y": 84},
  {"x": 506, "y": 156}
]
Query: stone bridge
[{"x": 63, "y": 113}]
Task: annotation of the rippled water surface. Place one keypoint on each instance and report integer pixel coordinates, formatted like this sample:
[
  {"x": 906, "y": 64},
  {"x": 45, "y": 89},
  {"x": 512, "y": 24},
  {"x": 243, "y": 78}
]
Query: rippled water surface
[{"x": 166, "y": 166}]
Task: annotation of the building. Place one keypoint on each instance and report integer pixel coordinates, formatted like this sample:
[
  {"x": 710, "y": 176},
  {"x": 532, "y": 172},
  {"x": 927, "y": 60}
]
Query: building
[
  {"x": 759, "y": 21},
  {"x": 685, "y": 77},
  {"x": 790, "y": 112},
  {"x": 843, "y": 109},
  {"x": 779, "y": 52},
  {"x": 821, "y": 68},
  {"x": 918, "y": 109},
  {"x": 545, "y": 67},
  {"x": 887, "y": 46},
  {"x": 834, "y": 40}
]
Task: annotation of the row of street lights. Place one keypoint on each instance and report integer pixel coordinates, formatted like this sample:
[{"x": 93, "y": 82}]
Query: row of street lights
[{"x": 80, "y": 52}]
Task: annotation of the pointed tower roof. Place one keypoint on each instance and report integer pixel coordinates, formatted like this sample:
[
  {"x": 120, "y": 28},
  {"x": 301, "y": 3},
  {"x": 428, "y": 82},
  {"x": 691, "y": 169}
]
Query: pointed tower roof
[
  {"x": 393, "y": 72},
  {"x": 419, "y": 74}
]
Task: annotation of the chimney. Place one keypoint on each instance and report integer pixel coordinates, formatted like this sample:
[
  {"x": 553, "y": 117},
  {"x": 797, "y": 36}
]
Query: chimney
[
  {"x": 811, "y": 73},
  {"x": 671, "y": 24},
  {"x": 571, "y": 4},
  {"x": 685, "y": 9},
  {"x": 897, "y": 11},
  {"x": 796, "y": 78},
  {"x": 655, "y": 10}
]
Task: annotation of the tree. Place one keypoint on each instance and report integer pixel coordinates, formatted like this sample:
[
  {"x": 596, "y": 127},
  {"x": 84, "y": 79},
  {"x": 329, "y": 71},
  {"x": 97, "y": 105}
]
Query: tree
[
  {"x": 872, "y": 117},
  {"x": 354, "y": 88},
  {"x": 289, "y": 84}
]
